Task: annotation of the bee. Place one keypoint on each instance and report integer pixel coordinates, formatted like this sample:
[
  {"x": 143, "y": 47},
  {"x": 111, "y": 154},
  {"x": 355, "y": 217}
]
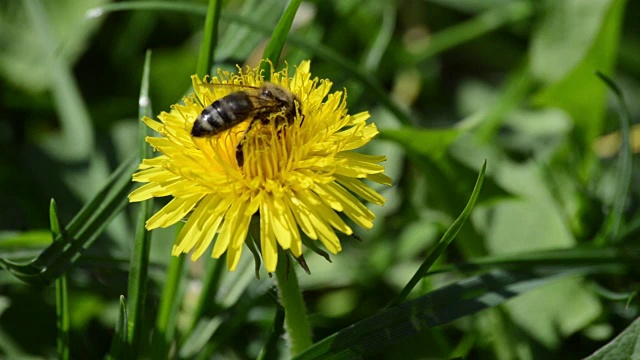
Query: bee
[{"x": 249, "y": 102}]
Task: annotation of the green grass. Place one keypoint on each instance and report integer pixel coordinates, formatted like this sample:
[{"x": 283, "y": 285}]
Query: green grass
[{"x": 541, "y": 263}]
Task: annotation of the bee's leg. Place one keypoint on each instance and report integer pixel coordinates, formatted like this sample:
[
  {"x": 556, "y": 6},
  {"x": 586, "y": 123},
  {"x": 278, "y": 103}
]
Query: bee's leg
[
  {"x": 239, "y": 151},
  {"x": 240, "y": 154}
]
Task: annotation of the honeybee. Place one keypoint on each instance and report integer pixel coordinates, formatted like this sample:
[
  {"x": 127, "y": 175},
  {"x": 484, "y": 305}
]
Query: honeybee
[{"x": 249, "y": 102}]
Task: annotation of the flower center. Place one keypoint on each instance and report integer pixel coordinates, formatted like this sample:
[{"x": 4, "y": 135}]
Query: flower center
[{"x": 268, "y": 149}]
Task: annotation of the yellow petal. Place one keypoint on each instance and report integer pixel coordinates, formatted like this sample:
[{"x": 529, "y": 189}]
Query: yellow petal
[
  {"x": 359, "y": 165},
  {"x": 208, "y": 211},
  {"x": 358, "y": 118},
  {"x": 284, "y": 224},
  {"x": 302, "y": 215},
  {"x": 148, "y": 191},
  {"x": 173, "y": 212},
  {"x": 157, "y": 126},
  {"x": 380, "y": 179},
  {"x": 157, "y": 161},
  {"x": 210, "y": 228},
  {"x": 353, "y": 208},
  {"x": 361, "y": 189},
  {"x": 233, "y": 258},
  {"x": 326, "y": 212},
  {"x": 325, "y": 233},
  {"x": 234, "y": 229}
]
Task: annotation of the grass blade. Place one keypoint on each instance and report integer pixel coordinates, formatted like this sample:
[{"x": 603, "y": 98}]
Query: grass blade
[
  {"x": 609, "y": 232},
  {"x": 53, "y": 220},
  {"x": 169, "y": 305},
  {"x": 550, "y": 259},
  {"x": 190, "y": 8},
  {"x": 279, "y": 37},
  {"x": 210, "y": 38},
  {"x": 81, "y": 232},
  {"x": 144, "y": 109},
  {"x": 446, "y": 239},
  {"x": 119, "y": 343},
  {"x": 139, "y": 266},
  {"x": 373, "y": 56},
  {"x": 439, "y": 307},
  {"x": 62, "y": 303},
  {"x": 77, "y": 140},
  {"x": 469, "y": 30}
]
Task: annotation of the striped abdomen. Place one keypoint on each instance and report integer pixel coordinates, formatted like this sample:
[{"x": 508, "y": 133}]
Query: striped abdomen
[{"x": 223, "y": 114}]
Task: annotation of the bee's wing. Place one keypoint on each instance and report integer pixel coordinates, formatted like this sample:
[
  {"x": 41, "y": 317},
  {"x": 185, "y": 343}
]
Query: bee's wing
[{"x": 221, "y": 90}]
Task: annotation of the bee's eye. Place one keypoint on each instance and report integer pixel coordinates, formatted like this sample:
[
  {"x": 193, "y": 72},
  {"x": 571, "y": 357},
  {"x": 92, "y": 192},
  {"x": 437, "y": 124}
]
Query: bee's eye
[{"x": 267, "y": 93}]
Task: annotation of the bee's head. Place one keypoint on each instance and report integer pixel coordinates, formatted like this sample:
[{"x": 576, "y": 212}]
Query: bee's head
[{"x": 282, "y": 96}]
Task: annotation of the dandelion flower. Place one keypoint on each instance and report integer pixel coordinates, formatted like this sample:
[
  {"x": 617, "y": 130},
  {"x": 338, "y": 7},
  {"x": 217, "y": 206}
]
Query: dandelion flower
[{"x": 296, "y": 176}]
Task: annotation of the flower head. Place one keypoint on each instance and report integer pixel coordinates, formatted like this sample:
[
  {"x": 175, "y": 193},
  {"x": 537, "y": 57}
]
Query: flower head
[{"x": 296, "y": 175}]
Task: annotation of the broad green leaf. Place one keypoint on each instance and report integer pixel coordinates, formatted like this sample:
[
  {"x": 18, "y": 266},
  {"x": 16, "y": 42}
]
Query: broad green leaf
[
  {"x": 579, "y": 92},
  {"x": 554, "y": 312},
  {"x": 528, "y": 224},
  {"x": 564, "y": 36},
  {"x": 625, "y": 346}
]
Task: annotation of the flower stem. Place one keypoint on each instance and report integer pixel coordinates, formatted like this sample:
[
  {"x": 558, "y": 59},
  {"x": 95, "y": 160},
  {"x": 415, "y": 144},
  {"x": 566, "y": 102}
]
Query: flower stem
[{"x": 296, "y": 322}]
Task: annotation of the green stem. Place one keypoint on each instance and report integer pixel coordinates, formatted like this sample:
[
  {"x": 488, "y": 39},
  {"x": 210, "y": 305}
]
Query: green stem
[
  {"x": 210, "y": 38},
  {"x": 62, "y": 298},
  {"x": 62, "y": 310},
  {"x": 279, "y": 37},
  {"x": 296, "y": 322}
]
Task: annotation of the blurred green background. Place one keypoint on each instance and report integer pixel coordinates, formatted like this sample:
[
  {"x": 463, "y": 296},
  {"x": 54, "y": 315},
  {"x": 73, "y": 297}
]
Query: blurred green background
[{"x": 449, "y": 83}]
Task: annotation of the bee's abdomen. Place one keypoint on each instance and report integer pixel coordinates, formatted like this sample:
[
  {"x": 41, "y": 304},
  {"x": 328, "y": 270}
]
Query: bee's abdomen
[{"x": 222, "y": 115}]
